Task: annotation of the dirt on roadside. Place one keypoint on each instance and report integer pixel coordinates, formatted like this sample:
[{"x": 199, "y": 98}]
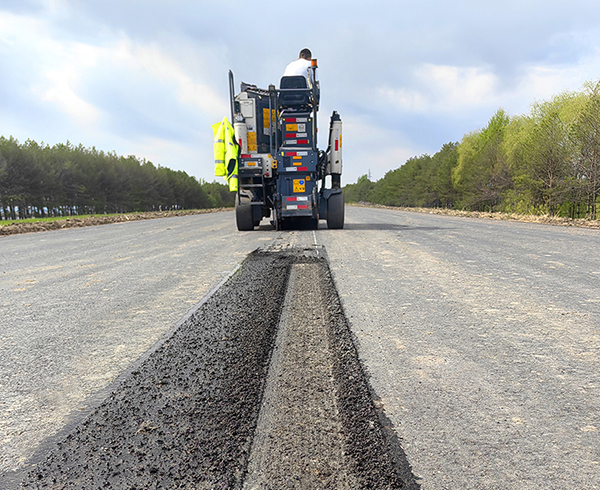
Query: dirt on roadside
[
  {"x": 527, "y": 218},
  {"x": 75, "y": 222}
]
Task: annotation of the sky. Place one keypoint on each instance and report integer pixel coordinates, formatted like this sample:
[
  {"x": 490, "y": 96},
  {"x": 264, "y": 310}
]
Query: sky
[{"x": 149, "y": 77}]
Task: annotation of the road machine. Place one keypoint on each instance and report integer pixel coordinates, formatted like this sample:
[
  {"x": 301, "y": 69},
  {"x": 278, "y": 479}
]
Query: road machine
[{"x": 281, "y": 172}]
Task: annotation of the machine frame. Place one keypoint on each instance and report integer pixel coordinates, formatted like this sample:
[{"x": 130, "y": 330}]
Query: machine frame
[{"x": 281, "y": 172}]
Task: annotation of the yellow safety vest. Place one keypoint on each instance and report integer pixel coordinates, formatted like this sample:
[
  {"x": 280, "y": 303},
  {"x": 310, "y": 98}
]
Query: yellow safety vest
[
  {"x": 226, "y": 151},
  {"x": 219, "y": 149}
]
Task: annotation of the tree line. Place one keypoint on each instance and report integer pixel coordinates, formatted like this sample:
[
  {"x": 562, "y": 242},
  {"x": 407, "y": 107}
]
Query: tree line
[
  {"x": 543, "y": 162},
  {"x": 38, "y": 180}
]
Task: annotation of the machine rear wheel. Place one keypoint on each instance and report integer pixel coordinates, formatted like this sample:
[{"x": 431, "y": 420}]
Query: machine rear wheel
[
  {"x": 335, "y": 212},
  {"x": 243, "y": 215}
]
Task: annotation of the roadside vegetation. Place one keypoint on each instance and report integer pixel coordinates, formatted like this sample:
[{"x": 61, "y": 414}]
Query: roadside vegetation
[
  {"x": 42, "y": 181},
  {"x": 30, "y": 225},
  {"x": 546, "y": 162},
  {"x": 49, "y": 220}
]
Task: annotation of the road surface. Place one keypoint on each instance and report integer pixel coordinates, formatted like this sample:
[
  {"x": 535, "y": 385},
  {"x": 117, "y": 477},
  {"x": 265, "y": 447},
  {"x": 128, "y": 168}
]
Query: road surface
[{"x": 481, "y": 338}]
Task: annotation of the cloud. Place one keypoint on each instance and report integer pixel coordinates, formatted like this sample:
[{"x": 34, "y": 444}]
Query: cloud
[
  {"x": 371, "y": 148},
  {"x": 61, "y": 85},
  {"x": 45, "y": 71},
  {"x": 155, "y": 64},
  {"x": 443, "y": 89}
]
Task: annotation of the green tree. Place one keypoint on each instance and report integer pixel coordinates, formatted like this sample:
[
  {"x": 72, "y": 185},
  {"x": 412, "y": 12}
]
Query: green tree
[
  {"x": 361, "y": 191},
  {"x": 444, "y": 162},
  {"x": 481, "y": 173},
  {"x": 585, "y": 135},
  {"x": 36, "y": 179}
]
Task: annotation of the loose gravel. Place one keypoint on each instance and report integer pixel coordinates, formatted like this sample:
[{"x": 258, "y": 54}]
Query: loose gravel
[{"x": 187, "y": 416}]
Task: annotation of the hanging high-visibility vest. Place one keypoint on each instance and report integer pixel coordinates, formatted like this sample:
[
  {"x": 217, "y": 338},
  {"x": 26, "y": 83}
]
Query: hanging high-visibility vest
[
  {"x": 219, "y": 149},
  {"x": 227, "y": 153}
]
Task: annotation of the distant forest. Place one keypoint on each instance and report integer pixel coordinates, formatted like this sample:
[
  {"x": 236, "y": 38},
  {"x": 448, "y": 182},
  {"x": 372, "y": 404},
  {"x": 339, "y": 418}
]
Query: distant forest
[
  {"x": 545, "y": 162},
  {"x": 38, "y": 180}
]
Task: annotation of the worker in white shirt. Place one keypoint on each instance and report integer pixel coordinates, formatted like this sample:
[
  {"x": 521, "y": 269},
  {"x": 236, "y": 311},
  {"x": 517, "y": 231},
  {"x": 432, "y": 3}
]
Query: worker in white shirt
[{"x": 300, "y": 66}]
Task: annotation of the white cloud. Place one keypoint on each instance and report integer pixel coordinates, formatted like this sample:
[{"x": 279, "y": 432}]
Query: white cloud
[
  {"x": 406, "y": 99},
  {"x": 542, "y": 82},
  {"x": 61, "y": 89},
  {"x": 158, "y": 150},
  {"x": 374, "y": 149},
  {"x": 111, "y": 92},
  {"x": 52, "y": 69},
  {"x": 443, "y": 89},
  {"x": 62, "y": 85},
  {"x": 151, "y": 60}
]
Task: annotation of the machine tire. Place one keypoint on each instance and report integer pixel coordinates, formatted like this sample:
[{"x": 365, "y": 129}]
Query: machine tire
[
  {"x": 335, "y": 211},
  {"x": 243, "y": 215}
]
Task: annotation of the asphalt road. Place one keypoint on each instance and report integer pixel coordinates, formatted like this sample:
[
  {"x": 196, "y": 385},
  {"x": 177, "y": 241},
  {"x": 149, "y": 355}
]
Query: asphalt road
[{"x": 481, "y": 338}]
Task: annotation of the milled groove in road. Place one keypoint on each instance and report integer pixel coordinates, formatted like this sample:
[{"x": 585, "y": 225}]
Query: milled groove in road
[
  {"x": 318, "y": 427},
  {"x": 298, "y": 440},
  {"x": 188, "y": 417}
]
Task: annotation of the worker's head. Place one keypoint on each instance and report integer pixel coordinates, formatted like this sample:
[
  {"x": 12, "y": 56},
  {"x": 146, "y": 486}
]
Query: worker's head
[{"x": 306, "y": 54}]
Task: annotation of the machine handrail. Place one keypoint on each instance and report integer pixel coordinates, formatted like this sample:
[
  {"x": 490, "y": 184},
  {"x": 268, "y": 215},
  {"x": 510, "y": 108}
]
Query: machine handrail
[{"x": 231, "y": 95}]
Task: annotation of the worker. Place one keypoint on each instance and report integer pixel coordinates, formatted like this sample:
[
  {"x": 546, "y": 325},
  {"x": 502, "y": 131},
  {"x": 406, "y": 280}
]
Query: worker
[{"x": 300, "y": 66}]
